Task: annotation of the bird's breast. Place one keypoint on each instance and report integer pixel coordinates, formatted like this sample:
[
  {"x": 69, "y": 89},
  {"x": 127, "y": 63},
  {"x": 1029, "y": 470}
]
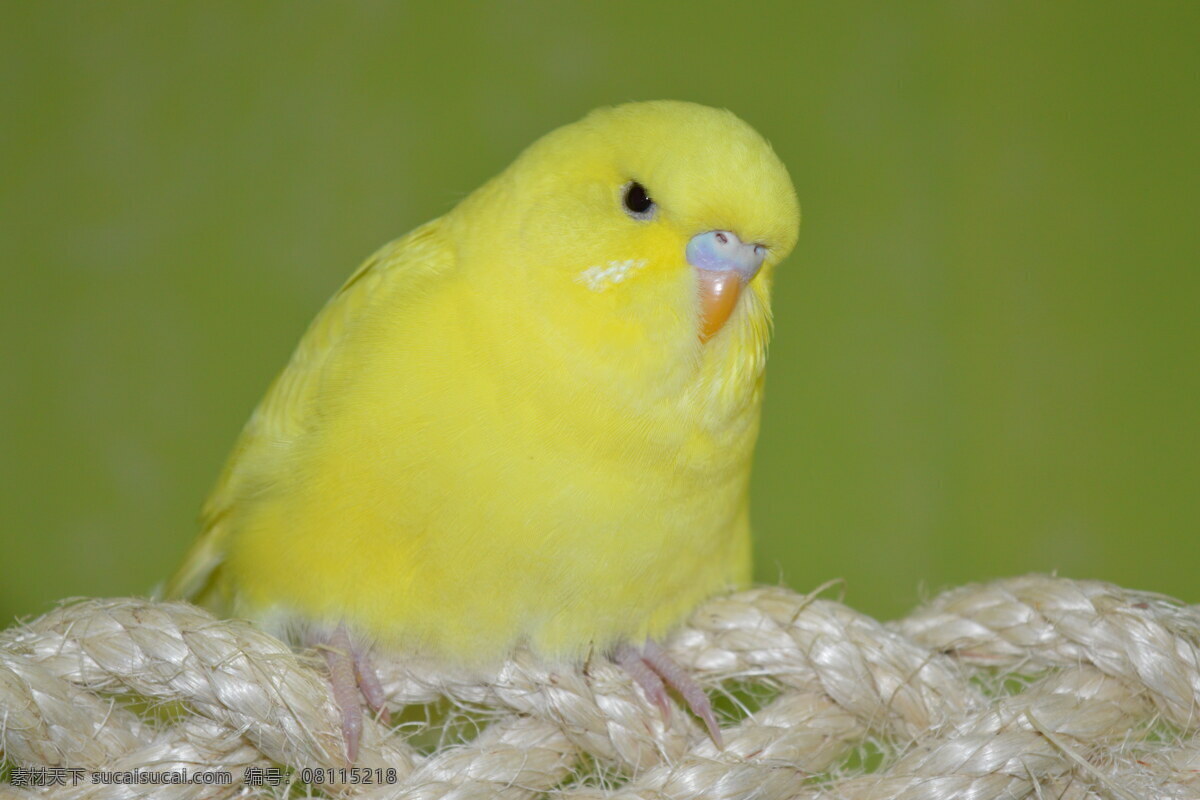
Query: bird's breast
[{"x": 460, "y": 498}]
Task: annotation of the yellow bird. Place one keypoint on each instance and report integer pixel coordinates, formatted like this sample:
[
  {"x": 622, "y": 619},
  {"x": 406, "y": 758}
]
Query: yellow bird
[{"x": 528, "y": 422}]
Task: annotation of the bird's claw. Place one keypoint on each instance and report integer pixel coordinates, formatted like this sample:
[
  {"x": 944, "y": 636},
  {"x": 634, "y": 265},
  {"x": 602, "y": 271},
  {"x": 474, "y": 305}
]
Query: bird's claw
[
  {"x": 630, "y": 659},
  {"x": 351, "y": 672},
  {"x": 654, "y": 670}
]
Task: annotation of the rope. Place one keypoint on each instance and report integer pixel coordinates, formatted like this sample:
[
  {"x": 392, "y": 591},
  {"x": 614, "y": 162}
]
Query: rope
[{"x": 1037, "y": 687}]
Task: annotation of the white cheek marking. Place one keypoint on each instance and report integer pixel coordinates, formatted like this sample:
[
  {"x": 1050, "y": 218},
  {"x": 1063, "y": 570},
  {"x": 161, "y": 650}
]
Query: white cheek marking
[{"x": 599, "y": 278}]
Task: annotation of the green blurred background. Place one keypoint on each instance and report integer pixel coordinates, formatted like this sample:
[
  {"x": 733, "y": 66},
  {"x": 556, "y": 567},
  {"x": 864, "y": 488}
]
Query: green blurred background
[{"x": 987, "y": 347}]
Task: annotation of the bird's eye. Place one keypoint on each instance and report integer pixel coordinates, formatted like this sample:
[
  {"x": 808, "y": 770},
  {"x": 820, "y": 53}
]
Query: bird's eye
[{"x": 637, "y": 201}]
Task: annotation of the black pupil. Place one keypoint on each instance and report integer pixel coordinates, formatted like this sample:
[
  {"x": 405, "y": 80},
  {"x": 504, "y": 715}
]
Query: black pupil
[{"x": 636, "y": 199}]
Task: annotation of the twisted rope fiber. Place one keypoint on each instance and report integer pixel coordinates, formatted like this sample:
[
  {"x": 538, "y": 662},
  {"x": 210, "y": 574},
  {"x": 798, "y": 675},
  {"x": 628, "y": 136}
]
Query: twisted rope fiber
[{"x": 1037, "y": 686}]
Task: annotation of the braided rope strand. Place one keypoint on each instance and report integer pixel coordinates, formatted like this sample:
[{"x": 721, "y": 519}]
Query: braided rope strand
[{"x": 1036, "y": 686}]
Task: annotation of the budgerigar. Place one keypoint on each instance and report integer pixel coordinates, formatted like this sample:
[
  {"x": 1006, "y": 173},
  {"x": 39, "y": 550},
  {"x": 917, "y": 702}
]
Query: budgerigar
[{"x": 527, "y": 423}]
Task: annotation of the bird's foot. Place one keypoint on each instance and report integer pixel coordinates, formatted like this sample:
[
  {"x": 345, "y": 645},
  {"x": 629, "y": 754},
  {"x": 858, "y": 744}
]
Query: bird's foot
[
  {"x": 654, "y": 670},
  {"x": 351, "y": 672}
]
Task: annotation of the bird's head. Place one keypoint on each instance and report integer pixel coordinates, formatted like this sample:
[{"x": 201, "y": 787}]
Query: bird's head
[{"x": 647, "y": 231}]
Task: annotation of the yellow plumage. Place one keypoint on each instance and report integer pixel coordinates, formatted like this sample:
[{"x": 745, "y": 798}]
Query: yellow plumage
[{"x": 505, "y": 429}]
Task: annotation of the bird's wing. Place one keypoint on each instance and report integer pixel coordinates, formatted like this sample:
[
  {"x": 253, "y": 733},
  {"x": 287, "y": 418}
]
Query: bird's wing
[{"x": 285, "y": 413}]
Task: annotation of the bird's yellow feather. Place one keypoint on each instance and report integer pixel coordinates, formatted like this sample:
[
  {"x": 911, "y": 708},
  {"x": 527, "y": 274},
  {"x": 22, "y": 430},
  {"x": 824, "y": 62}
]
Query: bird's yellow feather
[{"x": 504, "y": 428}]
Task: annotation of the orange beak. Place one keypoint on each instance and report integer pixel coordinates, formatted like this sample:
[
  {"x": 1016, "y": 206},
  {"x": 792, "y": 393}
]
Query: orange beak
[
  {"x": 719, "y": 293},
  {"x": 724, "y": 264}
]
